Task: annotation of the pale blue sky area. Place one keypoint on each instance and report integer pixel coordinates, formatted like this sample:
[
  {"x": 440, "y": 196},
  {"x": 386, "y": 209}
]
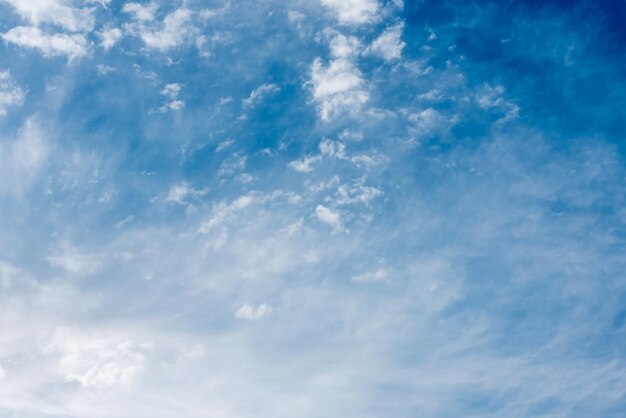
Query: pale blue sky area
[{"x": 312, "y": 209}]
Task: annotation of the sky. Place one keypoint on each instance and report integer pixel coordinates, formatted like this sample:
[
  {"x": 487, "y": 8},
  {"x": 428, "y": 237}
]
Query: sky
[{"x": 312, "y": 208}]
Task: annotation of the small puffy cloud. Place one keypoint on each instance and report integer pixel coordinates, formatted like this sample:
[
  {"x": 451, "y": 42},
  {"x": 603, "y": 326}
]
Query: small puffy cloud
[
  {"x": 305, "y": 165},
  {"x": 389, "y": 44},
  {"x": 428, "y": 122},
  {"x": 259, "y": 94},
  {"x": 354, "y": 12},
  {"x": 109, "y": 37},
  {"x": 10, "y": 94},
  {"x": 104, "y": 69},
  {"x": 178, "y": 193},
  {"x": 72, "y": 46},
  {"x": 140, "y": 12},
  {"x": 172, "y": 32},
  {"x": 252, "y": 313},
  {"x": 356, "y": 192},
  {"x": 171, "y": 91},
  {"x": 181, "y": 192},
  {"x": 332, "y": 149},
  {"x": 329, "y": 217},
  {"x": 54, "y": 12}
]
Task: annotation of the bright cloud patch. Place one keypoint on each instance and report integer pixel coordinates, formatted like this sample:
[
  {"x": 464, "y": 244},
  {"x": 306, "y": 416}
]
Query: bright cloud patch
[
  {"x": 354, "y": 12},
  {"x": 389, "y": 44},
  {"x": 72, "y": 46},
  {"x": 61, "y": 13}
]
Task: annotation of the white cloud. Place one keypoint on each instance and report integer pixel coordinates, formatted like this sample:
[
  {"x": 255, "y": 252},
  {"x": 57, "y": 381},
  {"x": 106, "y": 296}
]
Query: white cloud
[
  {"x": 171, "y": 91},
  {"x": 104, "y": 69},
  {"x": 305, "y": 165},
  {"x": 96, "y": 360},
  {"x": 251, "y": 313},
  {"x": 222, "y": 211},
  {"x": 175, "y": 29},
  {"x": 56, "y": 12},
  {"x": 179, "y": 193},
  {"x": 337, "y": 87},
  {"x": 429, "y": 122},
  {"x": 342, "y": 46},
  {"x": 354, "y": 12},
  {"x": 329, "y": 217},
  {"x": 144, "y": 13},
  {"x": 109, "y": 37},
  {"x": 259, "y": 94},
  {"x": 332, "y": 149},
  {"x": 389, "y": 44},
  {"x": 73, "y": 46},
  {"x": 357, "y": 192},
  {"x": 10, "y": 94}
]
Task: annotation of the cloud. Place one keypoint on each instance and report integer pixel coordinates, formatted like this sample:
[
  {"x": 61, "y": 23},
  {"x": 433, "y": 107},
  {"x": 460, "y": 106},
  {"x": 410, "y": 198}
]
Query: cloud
[
  {"x": 110, "y": 37},
  {"x": 181, "y": 192},
  {"x": 354, "y": 12},
  {"x": 140, "y": 12},
  {"x": 329, "y": 217},
  {"x": 253, "y": 313},
  {"x": 338, "y": 87},
  {"x": 259, "y": 94},
  {"x": 173, "y": 31},
  {"x": 223, "y": 211},
  {"x": 72, "y": 46},
  {"x": 11, "y": 95},
  {"x": 96, "y": 361},
  {"x": 171, "y": 91},
  {"x": 56, "y": 12},
  {"x": 305, "y": 165},
  {"x": 389, "y": 44}
]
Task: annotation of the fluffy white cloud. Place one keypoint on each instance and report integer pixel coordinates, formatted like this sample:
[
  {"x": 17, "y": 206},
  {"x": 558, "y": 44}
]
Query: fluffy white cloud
[
  {"x": 73, "y": 45},
  {"x": 329, "y": 217},
  {"x": 57, "y": 12},
  {"x": 354, "y": 12},
  {"x": 389, "y": 44},
  {"x": 338, "y": 87},
  {"x": 253, "y": 313},
  {"x": 171, "y": 91},
  {"x": 10, "y": 94},
  {"x": 175, "y": 29},
  {"x": 144, "y": 13},
  {"x": 109, "y": 37}
]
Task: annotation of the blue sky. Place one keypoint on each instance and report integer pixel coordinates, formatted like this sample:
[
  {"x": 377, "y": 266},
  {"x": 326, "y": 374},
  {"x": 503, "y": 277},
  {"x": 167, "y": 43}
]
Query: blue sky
[{"x": 320, "y": 208}]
